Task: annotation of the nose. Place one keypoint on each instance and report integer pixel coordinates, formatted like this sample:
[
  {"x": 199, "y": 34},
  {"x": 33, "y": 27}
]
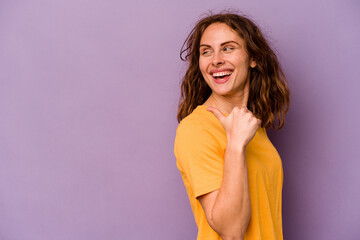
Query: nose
[{"x": 217, "y": 59}]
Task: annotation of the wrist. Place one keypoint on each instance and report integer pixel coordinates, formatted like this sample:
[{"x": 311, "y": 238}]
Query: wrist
[{"x": 236, "y": 147}]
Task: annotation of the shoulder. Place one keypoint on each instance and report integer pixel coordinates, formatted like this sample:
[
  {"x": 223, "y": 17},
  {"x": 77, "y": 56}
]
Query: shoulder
[
  {"x": 197, "y": 142},
  {"x": 199, "y": 131},
  {"x": 199, "y": 122}
]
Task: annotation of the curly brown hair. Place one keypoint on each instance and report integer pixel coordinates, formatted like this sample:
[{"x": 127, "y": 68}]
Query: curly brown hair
[{"x": 268, "y": 94}]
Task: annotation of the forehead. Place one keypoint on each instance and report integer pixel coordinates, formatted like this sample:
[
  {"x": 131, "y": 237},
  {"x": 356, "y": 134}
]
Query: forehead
[{"x": 218, "y": 33}]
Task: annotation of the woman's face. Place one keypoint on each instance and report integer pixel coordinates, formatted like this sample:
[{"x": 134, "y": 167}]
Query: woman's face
[{"x": 224, "y": 61}]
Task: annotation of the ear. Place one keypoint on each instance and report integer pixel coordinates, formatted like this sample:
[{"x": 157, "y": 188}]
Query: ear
[{"x": 252, "y": 63}]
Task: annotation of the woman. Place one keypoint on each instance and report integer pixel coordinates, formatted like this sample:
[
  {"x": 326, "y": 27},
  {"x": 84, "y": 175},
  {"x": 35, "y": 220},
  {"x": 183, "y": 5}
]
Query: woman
[{"x": 233, "y": 90}]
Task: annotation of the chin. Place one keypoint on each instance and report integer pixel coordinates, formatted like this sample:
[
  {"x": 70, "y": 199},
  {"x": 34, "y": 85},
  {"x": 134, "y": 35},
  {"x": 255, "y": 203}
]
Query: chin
[{"x": 222, "y": 92}]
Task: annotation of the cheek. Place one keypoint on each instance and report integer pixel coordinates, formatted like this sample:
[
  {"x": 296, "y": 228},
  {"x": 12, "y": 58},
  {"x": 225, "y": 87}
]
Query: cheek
[
  {"x": 203, "y": 68},
  {"x": 202, "y": 65},
  {"x": 241, "y": 61}
]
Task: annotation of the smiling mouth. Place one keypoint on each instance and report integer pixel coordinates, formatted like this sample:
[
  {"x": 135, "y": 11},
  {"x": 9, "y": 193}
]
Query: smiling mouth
[{"x": 221, "y": 77}]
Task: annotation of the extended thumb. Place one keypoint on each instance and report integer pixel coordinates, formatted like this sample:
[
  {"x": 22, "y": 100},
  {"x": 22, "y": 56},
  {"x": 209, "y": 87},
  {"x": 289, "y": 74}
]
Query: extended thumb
[{"x": 216, "y": 112}]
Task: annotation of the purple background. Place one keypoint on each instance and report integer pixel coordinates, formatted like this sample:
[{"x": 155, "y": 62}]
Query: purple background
[{"x": 88, "y": 100}]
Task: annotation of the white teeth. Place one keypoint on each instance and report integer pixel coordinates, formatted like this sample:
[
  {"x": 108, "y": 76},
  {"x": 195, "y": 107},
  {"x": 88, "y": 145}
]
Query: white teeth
[{"x": 220, "y": 74}]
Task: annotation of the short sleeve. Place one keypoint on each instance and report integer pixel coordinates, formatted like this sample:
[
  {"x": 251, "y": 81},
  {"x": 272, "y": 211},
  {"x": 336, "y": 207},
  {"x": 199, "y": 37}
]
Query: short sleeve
[{"x": 199, "y": 157}]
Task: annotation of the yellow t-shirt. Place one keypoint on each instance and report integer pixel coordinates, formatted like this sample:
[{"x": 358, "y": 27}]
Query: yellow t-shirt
[{"x": 200, "y": 146}]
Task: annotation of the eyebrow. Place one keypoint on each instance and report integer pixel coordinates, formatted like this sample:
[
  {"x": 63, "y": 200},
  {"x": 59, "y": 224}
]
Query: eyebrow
[{"x": 224, "y": 43}]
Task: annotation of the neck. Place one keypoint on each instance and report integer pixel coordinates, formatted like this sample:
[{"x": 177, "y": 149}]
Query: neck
[{"x": 225, "y": 103}]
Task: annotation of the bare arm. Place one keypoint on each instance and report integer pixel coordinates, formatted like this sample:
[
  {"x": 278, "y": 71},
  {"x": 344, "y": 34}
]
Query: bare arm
[{"x": 227, "y": 210}]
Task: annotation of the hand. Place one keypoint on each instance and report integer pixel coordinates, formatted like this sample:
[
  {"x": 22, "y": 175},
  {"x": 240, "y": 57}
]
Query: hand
[{"x": 240, "y": 125}]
